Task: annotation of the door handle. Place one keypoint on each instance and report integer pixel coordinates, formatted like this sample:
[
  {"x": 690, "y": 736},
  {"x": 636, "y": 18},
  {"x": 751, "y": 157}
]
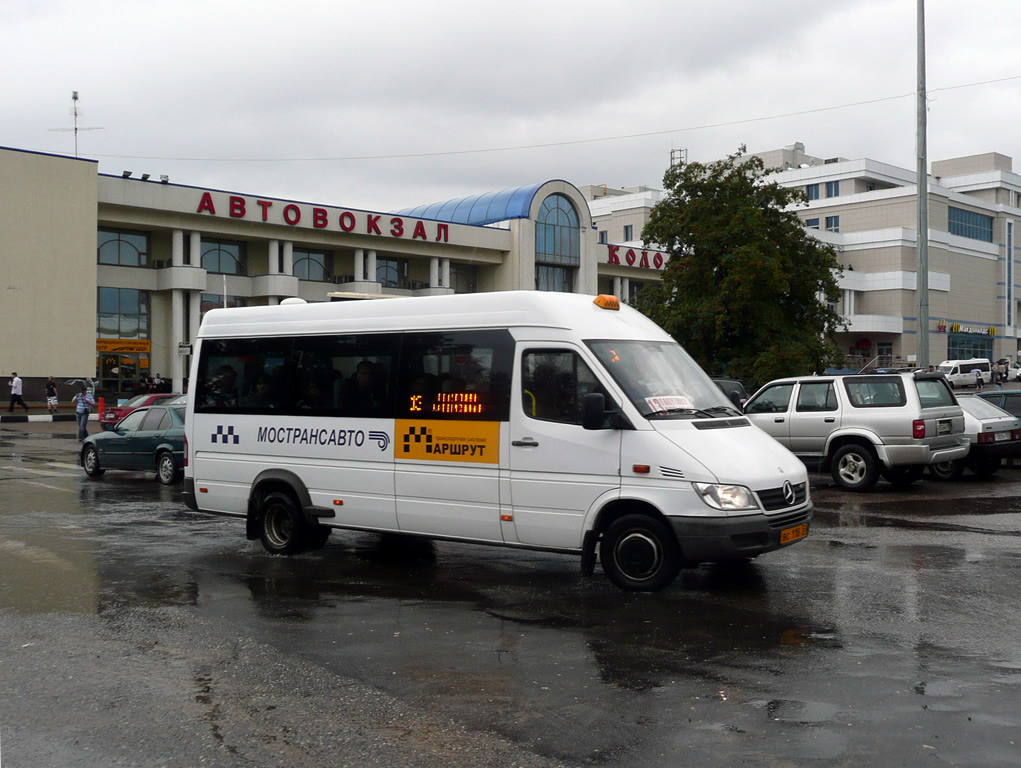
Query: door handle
[
  {"x": 829, "y": 419},
  {"x": 526, "y": 443},
  {"x": 778, "y": 420}
]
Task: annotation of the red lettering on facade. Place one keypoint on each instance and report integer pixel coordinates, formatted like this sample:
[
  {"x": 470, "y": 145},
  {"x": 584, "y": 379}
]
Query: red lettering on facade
[
  {"x": 347, "y": 221},
  {"x": 206, "y": 204},
  {"x": 265, "y": 204},
  {"x": 614, "y": 254},
  {"x": 630, "y": 257},
  {"x": 319, "y": 219},
  {"x": 645, "y": 260},
  {"x": 397, "y": 227},
  {"x": 237, "y": 207},
  {"x": 441, "y": 233},
  {"x": 657, "y": 261},
  {"x": 419, "y": 231},
  {"x": 292, "y": 214},
  {"x": 372, "y": 227}
]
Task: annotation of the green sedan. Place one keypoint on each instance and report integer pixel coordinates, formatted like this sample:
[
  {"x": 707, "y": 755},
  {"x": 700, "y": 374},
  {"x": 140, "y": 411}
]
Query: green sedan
[{"x": 147, "y": 439}]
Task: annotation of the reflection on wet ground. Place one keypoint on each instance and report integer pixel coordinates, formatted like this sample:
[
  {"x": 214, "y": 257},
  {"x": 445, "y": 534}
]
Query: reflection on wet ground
[{"x": 891, "y": 631}]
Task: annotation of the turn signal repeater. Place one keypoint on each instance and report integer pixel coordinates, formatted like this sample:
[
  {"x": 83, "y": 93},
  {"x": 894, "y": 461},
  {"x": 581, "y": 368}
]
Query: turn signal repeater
[
  {"x": 605, "y": 301},
  {"x": 640, "y": 469}
]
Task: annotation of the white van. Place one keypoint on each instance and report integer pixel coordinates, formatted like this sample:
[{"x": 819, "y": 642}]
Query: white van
[
  {"x": 961, "y": 373},
  {"x": 526, "y": 419}
]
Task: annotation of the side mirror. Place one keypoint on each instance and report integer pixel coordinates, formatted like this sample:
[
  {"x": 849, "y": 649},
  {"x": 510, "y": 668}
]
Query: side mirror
[{"x": 593, "y": 411}]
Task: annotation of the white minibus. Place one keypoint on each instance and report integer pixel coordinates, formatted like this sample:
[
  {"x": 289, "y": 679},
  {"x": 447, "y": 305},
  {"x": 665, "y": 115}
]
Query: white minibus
[
  {"x": 547, "y": 421},
  {"x": 961, "y": 373}
]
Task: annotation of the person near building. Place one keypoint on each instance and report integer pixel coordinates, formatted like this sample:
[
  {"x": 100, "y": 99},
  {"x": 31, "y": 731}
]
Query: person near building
[
  {"x": 15, "y": 385},
  {"x": 83, "y": 404},
  {"x": 978, "y": 379},
  {"x": 51, "y": 396}
]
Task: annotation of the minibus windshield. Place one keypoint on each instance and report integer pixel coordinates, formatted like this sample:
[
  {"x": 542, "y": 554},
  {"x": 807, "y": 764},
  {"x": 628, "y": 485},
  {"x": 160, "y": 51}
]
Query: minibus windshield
[{"x": 662, "y": 380}]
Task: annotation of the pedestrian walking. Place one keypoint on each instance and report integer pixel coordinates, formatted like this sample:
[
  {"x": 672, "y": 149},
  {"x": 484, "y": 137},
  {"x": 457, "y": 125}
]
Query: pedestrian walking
[
  {"x": 83, "y": 404},
  {"x": 978, "y": 379},
  {"x": 15, "y": 385},
  {"x": 51, "y": 396}
]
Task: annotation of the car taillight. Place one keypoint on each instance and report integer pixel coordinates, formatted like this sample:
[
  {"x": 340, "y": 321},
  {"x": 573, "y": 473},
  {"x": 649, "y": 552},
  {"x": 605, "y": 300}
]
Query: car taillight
[
  {"x": 1015, "y": 434},
  {"x": 186, "y": 450},
  {"x": 918, "y": 428},
  {"x": 987, "y": 437}
]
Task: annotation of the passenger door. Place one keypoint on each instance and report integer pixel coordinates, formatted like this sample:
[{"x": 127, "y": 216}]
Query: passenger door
[
  {"x": 814, "y": 417},
  {"x": 118, "y": 449},
  {"x": 769, "y": 411},
  {"x": 558, "y": 469},
  {"x": 454, "y": 401},
  {"x": 143, "y": 445}
]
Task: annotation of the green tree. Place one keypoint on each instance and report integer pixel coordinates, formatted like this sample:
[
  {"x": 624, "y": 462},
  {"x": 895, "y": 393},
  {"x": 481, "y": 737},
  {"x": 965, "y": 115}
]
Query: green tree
[{"x": 746, "y": 289}]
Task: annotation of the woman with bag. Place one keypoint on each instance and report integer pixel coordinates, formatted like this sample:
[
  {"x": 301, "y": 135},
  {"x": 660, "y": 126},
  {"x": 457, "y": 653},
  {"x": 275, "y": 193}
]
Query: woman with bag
[{"x": 83, "y": 405}]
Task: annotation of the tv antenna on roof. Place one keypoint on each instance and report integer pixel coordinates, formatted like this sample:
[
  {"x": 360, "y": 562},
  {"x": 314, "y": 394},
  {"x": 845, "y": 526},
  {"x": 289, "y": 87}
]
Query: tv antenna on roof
[{"x": 74, "y": 112}]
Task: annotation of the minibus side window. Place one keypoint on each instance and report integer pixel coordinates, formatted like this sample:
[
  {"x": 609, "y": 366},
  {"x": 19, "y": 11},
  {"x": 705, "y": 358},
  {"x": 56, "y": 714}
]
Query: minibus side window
[
  {"x": 242, "y": 376},
  {"x": 349, "y": 375},
  {"x": 554, "y": 383},
  {"x": 456, "y": 375}
]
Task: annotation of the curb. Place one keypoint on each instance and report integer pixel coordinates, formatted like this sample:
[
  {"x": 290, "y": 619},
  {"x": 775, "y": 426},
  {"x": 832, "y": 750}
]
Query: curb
[{"x": 9, "y": 418}]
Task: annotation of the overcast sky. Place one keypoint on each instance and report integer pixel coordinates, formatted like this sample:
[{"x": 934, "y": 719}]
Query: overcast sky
[{"x": 382, "y": 105}]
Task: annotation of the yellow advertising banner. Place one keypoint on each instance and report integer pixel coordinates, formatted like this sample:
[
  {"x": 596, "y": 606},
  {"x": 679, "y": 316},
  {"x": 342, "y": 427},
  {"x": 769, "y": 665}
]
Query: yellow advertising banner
[
  {"x": 123, "y": 345},
  {"x": 477, "y": 442}
]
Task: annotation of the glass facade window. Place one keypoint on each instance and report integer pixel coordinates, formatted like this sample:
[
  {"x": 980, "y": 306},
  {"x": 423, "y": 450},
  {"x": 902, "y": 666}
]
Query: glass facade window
[
  {"x": 629, "y": 232},
  {"x": 224, "y": 257},
  {"x": 557, "y": 245},
  {"x": 603, "y": 237},
  {"x": 832, "y": 189},
  {"x": 812, "y": 190},
  {"x": 969, "y": 224},
  {"x": 122, "y": 248},
  {"x": 962, "y": 346},
  {"x": 464, "y": 278},
  {"x": 812, "y": 223},
  {"x": 313, "y": 265},
  {"x": 392, "y": 273},
  {"x": 123, "y": 313},
  {"x": 832, "y": 223},
  {"x": 215, "y": 301}
]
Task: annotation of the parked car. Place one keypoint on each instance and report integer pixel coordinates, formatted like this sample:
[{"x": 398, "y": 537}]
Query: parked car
[
  {"x": 1007, "y": 399},
  {"x": 1013, "y": 369},
  {"x": 147, "y": 439},
  {"x": 113, "y": 414},
  {"x": 993, "y": 435},
  {"x": 859, "y": 426},
  {"x": 734, "y": 390}
]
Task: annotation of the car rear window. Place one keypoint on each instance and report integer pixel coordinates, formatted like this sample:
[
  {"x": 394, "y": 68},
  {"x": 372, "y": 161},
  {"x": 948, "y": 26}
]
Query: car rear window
[
  {"x": 933, "y": 393},
  {"x": 875, "y": 391}
]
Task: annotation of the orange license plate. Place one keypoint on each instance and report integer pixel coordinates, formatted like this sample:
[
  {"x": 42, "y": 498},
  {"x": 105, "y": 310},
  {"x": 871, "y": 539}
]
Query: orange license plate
[{"x": 787, "y": 535}]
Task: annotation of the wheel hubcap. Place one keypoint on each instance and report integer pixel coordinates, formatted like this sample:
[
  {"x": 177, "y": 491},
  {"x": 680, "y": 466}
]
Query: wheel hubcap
[{"x": 638, "y": 555}]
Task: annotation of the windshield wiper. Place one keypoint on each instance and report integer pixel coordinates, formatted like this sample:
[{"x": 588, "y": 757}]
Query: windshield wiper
[
  {"x": 692, "y": 411},
  {"x": 724, "y": 409}
]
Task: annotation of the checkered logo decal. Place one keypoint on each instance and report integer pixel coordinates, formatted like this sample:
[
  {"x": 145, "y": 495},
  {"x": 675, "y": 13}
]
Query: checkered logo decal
[
  {"x": 225, "y": 435},
  {"x": 418, "y": 435}
]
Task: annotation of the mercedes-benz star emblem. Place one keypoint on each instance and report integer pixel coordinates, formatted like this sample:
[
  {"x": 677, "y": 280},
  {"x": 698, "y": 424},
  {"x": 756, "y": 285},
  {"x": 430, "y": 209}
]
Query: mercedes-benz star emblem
[{"x": 788, "y": 492}]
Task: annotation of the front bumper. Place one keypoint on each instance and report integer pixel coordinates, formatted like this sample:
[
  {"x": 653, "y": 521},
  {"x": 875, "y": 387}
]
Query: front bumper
[{"x": 719, "y": 539}]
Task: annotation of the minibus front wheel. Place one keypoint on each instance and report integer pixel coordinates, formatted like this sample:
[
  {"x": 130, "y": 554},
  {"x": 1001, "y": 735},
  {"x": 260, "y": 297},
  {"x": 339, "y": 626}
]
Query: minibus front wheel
[
  {"x": 640, "y": 553},
  {"x": 283, "y": 528}
]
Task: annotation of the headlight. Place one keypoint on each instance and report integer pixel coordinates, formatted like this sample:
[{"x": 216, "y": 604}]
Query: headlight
[{"x": 725, "y": 497}]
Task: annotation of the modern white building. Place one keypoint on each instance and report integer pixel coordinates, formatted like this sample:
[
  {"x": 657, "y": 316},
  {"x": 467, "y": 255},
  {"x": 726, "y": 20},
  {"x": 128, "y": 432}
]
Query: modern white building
[
  {"x": 109, "y": 276},
  {"x": 868, "y": 211}
]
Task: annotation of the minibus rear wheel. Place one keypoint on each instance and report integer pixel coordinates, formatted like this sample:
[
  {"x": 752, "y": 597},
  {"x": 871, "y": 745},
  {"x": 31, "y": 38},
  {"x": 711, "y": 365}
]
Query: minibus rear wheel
[
  {"x": 640, "y": 553},
  {"x": 283, "y": 526}
]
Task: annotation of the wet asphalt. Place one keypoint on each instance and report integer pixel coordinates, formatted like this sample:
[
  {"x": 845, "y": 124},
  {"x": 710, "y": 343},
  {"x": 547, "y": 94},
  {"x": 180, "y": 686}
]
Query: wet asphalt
[{"x": 135, "y": 632}]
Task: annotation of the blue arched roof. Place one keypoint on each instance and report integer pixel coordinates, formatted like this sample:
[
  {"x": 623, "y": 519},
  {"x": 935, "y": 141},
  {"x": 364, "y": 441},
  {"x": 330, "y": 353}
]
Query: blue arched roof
[{"x": 480, "y": 209}]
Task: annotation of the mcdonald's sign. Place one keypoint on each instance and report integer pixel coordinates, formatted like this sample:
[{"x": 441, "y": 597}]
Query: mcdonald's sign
[{"x": 979, "y": 330}]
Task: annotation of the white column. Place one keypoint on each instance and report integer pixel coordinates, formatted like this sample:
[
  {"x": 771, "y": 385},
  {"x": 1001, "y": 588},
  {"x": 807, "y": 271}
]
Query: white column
[
  {"x": 288, "y": 257},
  {"x": 434, "y": 272},
  {"x": 177, "y": 335},
  {"x": 616, "y": 287},
  {"x": 274, "y": 257},
  {"x": 195, "y": 249},
  {"x": 372, "y": 267},
  {"x": 359, "y": 265},
  {"x": 445, "y": 271},
  {"x": 625, "y": 287},
  {"x": 177, "y": 247}
]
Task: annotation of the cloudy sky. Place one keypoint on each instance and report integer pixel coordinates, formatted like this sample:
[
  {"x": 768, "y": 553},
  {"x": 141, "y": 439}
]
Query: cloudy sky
[{"x": 386, "y": 104}]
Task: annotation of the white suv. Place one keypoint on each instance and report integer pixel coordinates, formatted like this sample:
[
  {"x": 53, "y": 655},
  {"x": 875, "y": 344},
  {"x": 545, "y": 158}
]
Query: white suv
[{"x": 860, "y": 426}]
